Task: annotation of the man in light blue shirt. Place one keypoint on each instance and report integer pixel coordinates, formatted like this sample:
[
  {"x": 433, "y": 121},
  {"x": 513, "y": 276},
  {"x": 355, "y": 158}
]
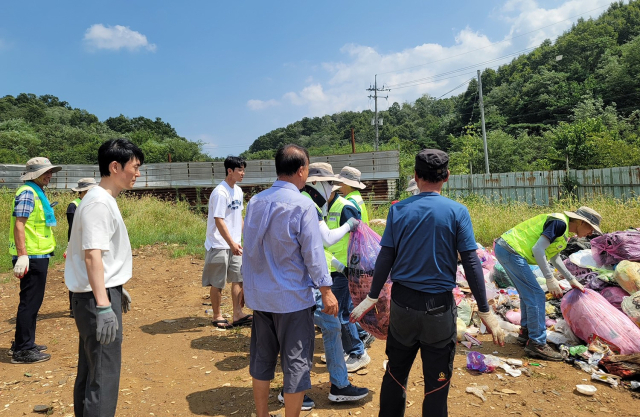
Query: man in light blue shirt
[{"x": 283, "y": 260}]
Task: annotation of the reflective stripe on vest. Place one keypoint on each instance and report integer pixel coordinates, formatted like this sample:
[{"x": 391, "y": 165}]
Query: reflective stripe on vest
[
  {"x": 356, "y": 198},
  {"x": 39, "y": 238},
  {"x": 76, "y": 202},
  {"x": 524, "y": 236},
  {"x": 340, "y": 249}
]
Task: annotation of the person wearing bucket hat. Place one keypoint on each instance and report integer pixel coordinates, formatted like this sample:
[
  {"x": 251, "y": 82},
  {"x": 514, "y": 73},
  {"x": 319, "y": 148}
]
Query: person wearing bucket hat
[
  {"x": 84, "y": 185},
  {"x": 538, "y": 241},
  {"x": 413, "y": 187},
  {"x": 350, "y": 189},
  {"x": 31, "y": 244},
  {"x": 339, "y": 212}
]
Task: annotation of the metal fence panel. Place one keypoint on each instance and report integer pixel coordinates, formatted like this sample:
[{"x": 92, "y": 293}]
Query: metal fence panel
[{"x": 543, "y": 187}]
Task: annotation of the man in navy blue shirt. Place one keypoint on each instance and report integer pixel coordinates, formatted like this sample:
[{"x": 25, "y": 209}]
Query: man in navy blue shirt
[{"x": 420, "y": 247}]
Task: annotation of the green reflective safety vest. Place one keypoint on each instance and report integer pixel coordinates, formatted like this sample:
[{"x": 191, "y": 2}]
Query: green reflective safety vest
[
  {"x": 340, "y": 249},
  {"x": 356, "y": 198},
  {"x": 39, "y": 238},
  {"x": 328, "y": 256},
  {"x": 76, "y": 202},
  {"x": 524, "y": 236}
]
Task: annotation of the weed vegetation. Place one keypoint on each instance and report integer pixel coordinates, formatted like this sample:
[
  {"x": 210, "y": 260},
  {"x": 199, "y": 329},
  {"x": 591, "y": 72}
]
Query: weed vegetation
[{"x": 152, "y": 221}]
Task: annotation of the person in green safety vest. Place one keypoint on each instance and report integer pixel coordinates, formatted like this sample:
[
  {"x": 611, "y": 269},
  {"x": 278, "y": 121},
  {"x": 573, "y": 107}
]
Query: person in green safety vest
[
  {"x": 84, "y": 185},
  {"x": 31, "y": 244},
  {"x": 341, "y": 389},
  {"x": 350, "y": 189},
  {"x": 540, "y": 240},
  {"x": 339, "y": 211}
]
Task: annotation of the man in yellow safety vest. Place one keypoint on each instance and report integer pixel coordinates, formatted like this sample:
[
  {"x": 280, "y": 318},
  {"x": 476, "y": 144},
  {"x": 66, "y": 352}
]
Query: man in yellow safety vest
[
  {"x": 31, "y": 244},
  {"x": 339, "y": 211}
]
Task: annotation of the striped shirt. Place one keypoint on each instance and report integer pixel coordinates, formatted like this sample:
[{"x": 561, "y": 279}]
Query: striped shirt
[
  {"x": 23, "y": 207},
  {"x": 283, "y": 257}
]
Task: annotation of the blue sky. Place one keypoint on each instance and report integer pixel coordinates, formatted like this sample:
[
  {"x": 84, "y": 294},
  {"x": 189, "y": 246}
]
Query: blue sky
[{"x": 227, "y": 72}]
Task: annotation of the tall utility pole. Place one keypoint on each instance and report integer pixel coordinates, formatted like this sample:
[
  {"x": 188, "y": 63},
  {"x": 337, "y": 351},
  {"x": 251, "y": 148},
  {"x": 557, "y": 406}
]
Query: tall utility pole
[
  {"x": 484, "y": 131},
  {"x": 375, "y": 89}
]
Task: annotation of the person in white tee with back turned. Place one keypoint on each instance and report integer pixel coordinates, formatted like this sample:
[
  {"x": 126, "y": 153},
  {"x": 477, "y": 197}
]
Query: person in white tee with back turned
[
  {"x": 223, "y": 259},
  {"x": 98, "y": 264}
]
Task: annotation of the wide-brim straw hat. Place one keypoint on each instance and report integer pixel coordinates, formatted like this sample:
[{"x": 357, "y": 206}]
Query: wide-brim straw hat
[
  {"x": 36, "y": 167},
  {"x": 85, "y": 184},
  {"x": 321, "y": 171},
  {"x": 413, "y": 185},
  {"x": 351, "y": 176},
  {"x": 588, "y": 215}
]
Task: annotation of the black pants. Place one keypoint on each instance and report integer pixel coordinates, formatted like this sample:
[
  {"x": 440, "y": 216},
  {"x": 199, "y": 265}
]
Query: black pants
[
  {"x": 432, "y": 330},
  {"x": 32, "y": 287},
  {"x": 95, "y": 393}
]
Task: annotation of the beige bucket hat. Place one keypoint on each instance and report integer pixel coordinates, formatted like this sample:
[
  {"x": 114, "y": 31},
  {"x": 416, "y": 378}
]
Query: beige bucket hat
[
  {"x": 588, "y": 215},
  {"x": 36, "y": 167},
  {"x": 85, "y": 184},
  {"x": 351, "y": 176},
  {"x": 321, "y": 171},
  {"x": 412, "y": 185}
]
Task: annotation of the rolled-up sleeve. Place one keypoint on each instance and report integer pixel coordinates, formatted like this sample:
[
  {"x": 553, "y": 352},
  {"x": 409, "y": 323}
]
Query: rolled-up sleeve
[{"x": 312, "y": 249}]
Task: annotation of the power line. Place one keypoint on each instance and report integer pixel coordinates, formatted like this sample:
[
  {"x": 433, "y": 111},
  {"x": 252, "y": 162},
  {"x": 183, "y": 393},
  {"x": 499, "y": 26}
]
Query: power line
[
  {"x": 455, "y": 88},
  {"x": 495, "y": 43},
  {"x": 402, "y": 84}
]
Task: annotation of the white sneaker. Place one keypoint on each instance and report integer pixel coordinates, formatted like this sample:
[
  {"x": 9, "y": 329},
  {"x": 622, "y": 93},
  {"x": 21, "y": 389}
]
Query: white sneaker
[{"x": 355, "y": 362}]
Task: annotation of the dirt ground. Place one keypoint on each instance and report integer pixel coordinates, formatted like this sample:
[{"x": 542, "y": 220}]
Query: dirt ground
[{"x": 176, "y": 364}]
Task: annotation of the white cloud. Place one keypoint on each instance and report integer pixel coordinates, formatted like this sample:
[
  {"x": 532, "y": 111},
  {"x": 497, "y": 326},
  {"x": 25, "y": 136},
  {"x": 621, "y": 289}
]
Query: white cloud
[
  {"x": 340, "y": 86},
  {"x": 532, "y": 17},
  {"x": 115, "y": 38},
  {"x": 260, "y": 104}
]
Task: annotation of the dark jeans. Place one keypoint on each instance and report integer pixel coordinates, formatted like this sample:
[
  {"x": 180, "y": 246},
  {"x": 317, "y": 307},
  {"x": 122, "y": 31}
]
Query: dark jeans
[
  {"x": 95, "y": 393},
  {"x": 32, "y": 287},
  {"x": 350, "y": 339},
  {"x": 432, "y": 332}
]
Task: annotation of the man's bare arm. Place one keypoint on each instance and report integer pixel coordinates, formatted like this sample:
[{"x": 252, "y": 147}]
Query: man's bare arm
[{"x": 95, "y": 272}]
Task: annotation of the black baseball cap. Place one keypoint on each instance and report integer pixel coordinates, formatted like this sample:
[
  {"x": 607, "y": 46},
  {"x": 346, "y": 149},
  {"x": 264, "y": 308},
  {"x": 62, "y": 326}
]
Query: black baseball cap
[{"x": 432, "y": 160}]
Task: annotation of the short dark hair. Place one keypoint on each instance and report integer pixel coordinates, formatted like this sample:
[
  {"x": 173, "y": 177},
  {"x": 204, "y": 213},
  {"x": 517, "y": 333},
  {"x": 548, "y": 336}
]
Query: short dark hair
[
  {"x": 289, "y": 159},
  {"x": 233, "y": 162},
  {"x": 119, "y": 150},
  {"x": 433, "y": 175}
]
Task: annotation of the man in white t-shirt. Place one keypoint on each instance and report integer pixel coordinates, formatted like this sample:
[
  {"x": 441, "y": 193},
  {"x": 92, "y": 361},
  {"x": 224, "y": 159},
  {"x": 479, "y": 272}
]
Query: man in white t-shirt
[
  {"x": 223, "y": 244},
  {"x": 98, "y": 264}
]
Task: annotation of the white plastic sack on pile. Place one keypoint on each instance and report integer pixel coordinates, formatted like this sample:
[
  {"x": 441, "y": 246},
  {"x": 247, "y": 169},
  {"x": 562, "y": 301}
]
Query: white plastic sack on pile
[
  {"x": 584, "y": 259},
  {"x": 631, "y": 307},
  {"x": 563, "y": 328}
]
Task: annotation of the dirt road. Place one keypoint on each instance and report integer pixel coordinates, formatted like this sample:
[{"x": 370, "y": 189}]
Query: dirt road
[{"x": 176, "y": 364}]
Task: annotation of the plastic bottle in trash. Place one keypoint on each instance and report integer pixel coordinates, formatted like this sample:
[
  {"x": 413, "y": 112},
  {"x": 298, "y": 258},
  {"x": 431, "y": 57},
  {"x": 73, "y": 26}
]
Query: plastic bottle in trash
[{"x": 208, "y": 312}]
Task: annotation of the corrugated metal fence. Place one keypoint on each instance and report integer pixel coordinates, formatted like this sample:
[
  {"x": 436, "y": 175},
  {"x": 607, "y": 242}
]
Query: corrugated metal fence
[
  {"x": 193, "y": 179},
  {"x": 542, "y": 187}
]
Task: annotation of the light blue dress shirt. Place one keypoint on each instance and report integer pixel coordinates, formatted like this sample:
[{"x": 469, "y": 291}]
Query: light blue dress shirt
[{"x": 283, "y": 257}]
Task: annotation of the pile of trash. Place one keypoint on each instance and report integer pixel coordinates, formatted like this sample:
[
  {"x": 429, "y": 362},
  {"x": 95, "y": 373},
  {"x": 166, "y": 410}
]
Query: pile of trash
[{"x": 596, "y": 331}]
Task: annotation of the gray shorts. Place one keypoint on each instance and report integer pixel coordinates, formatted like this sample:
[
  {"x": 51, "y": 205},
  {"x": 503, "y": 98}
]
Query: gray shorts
[
  {"x": 290, "y": 335},
  {"x": 220, "y": 267}
]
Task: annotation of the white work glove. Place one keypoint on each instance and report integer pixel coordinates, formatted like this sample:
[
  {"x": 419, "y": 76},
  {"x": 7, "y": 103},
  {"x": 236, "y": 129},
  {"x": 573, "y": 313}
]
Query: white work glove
[
  {"x": 554, "y": 287},
  {"x": 126, "y": 301},
  {"x": 491, "y": 322},
  {"x": 107, "y": 324},
  {"x": 353, "y": 224},
  {"x": 575, "y": 284},
  {"x": 362, "y": 309},
  {"x": 21, "y": 267},
  {"x": 337, "y": 265}
]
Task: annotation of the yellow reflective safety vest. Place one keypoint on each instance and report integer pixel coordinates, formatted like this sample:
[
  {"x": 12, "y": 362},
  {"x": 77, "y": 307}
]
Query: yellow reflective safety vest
[
  {"x": 356, "y": 198},
  {"x": 328, "y": 256},
  {"x": 39, "y": 238},
  {"x": 76, "y": 202},
  {"x": 524, "y": 236},
  {"x": 340, "y": 249}
]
